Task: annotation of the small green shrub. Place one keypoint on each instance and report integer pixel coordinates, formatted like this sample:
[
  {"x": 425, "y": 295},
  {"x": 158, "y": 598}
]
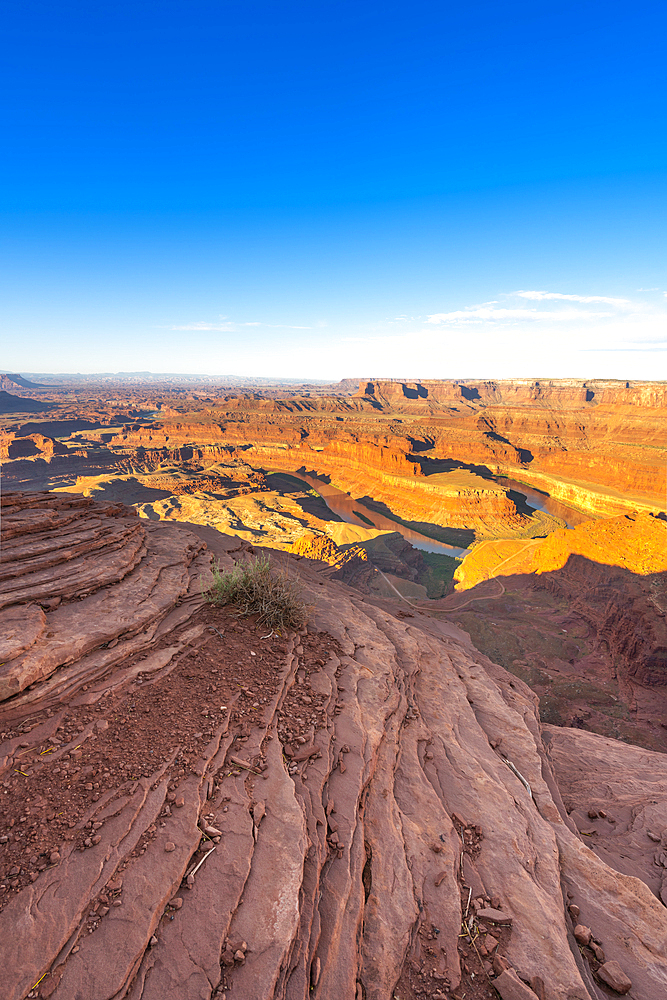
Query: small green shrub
[{"x": 255, "y": 590}]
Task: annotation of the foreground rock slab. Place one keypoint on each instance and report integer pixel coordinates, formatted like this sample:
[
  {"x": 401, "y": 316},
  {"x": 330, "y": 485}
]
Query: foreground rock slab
[{"x": 362, "y": 809}]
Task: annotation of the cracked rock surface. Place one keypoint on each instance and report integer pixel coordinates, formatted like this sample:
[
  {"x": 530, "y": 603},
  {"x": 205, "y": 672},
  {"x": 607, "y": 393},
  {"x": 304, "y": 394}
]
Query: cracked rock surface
[{"x": 365, "y": 810}]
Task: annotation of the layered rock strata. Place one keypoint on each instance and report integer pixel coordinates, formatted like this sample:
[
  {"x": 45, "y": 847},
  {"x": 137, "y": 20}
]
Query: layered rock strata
[
  {"x": 83, "y": 584},
  {"x": 427, "y": 450},
  {"x": 369, "y": 812}
]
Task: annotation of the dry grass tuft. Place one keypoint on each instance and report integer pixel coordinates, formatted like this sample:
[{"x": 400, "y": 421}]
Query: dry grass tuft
[{"x": 255, "y": 590}]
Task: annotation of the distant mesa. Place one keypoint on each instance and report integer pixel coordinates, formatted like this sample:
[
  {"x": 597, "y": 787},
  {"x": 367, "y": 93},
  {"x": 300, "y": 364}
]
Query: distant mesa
[
  {"x": 13, "y": 380},
  {"x": 19, "y": 404}
]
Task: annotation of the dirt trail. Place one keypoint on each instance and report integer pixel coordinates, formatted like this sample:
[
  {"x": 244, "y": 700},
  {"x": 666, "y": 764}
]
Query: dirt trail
[{"x": 434, "y": 608}]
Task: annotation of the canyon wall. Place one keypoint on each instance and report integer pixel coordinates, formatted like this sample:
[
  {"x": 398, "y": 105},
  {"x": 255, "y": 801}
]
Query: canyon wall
[{"x": 600, "y": 446}]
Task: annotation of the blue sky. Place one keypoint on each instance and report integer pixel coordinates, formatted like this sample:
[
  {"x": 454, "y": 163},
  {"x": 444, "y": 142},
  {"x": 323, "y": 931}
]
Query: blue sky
[{"x": 334, "y": 189}]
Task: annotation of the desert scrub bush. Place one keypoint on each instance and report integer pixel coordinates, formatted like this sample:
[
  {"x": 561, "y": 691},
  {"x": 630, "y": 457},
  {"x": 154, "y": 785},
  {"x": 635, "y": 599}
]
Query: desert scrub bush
[{"x": 255, "y": 590}]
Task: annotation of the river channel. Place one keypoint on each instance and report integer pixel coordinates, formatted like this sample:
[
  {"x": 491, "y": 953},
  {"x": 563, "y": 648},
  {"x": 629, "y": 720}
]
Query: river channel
[
  {"x": 353, "y": 512},
  {"x": 542, "y": 501}
]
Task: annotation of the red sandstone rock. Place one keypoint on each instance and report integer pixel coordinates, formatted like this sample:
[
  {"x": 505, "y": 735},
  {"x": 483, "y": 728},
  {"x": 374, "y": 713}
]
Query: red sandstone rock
[
  {"x": 382, "y": 687},
  {"x": 510, "y": 986},
  {"x": 612, "y": 974},
  {"x": 582, "y": 934},
  {"x": 495, "y": 916}
]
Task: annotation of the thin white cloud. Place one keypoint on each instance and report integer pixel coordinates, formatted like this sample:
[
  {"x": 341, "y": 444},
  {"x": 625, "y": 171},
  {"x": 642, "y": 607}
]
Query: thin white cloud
[
  {"x": 481, "y": 314},
  {"x": 542, "y": 296}
]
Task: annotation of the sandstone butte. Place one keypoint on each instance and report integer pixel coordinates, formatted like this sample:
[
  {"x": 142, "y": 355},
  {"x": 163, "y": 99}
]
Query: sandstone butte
[{"x": 369, "y": 808}]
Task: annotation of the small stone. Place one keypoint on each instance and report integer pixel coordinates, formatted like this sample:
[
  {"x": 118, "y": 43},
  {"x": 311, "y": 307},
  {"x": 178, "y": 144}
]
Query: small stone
[
  {"x": 239, "y": 956},
  {"x": 75, "y": 949},
  {"x": 583, "y": 934},
  {"x": 612, "y": 974},
  {"x": 54, "y": 857},
  {"x": 169, "y": 847},
  {"x": 96, "y": 839},
  {"x": 153, "y": 941},
  {"x": 117, "y": 902},
  {"x": 88, "y": 842},
  {"x": 653, "y": 836},
  {"x": 592, "y": 814},
  {"x": 180, "y": 802},
  {"x": 176, "y": 902},
  {"x": 500, "y": 964},
  {"x": 228, "y": 958},
  {"x": 494, "y": 916},
  {"x": 88, "y": 786},
  {"x": 598, "y": 952},
  {"x": 574, "y": 910},
  {"x": 510, "y": 986},
  {"x": 103, "y": 910},
  {"x": 536, "y": 984}
]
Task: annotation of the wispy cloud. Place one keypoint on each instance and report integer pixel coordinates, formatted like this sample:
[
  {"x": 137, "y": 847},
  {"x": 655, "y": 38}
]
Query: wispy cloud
[
  {"x": 489, "y": 313},
  {"x": 541, "y": 307},
  {"x": 543, "y": 296}
]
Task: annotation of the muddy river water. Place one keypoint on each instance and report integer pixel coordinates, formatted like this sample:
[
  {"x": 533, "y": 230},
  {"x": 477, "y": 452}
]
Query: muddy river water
[
  {"x": 353, "y": 512},
  {"x": 542, "y": 501}
]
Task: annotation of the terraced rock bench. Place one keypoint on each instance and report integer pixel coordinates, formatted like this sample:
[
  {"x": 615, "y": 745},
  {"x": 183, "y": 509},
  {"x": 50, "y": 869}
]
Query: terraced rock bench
[{"x": 82, "y": 586}]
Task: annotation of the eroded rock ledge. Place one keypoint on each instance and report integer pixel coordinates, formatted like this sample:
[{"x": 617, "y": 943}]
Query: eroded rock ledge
[{"x": 363, "y": 810}]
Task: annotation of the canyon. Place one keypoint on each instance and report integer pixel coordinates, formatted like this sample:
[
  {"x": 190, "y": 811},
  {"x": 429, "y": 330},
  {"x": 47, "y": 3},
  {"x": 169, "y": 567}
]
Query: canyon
[{"x": 451, "y": 782}]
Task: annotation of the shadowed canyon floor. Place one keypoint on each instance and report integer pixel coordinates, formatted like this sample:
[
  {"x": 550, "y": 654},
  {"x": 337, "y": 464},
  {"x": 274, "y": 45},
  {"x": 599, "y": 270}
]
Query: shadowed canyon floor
[{"x": 369, "y": 809}]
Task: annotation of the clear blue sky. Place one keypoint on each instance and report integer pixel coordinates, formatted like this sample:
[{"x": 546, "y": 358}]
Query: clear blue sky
[{"x": 334, "y": 189}]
